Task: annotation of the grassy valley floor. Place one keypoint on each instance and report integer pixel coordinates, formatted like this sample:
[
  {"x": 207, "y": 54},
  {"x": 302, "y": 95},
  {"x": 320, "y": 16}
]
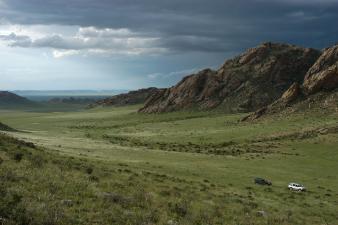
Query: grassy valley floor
[{"x": 115, "y": 166}]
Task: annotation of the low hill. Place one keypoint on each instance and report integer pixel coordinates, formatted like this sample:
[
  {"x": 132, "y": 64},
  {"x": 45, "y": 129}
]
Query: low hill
[
  {"x": 319, "y": 89},
  {"x": 243, "y": 84},
  {"x": 8, "y": 99},
  {"x": 130, "y": 98},
  {"x": 73, "y": 100},
  {"x": 4, "y": 127}
]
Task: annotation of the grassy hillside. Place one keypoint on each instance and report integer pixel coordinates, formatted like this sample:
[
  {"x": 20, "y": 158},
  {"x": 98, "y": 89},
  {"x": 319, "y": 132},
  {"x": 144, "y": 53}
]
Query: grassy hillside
[
  {"x": 115, "y": 166},
  {"x": 4, "y": 127}
]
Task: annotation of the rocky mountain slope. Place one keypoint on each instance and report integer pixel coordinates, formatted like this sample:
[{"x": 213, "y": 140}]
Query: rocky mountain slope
[
  {"x": 318, "y": 89},
  {"x": 10, "y": 99},
  {"x": 130, "y": 98},
  {"x": 243, "y": 84}
]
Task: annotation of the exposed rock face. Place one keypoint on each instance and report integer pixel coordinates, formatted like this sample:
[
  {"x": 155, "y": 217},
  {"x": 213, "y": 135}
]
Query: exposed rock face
[
  {"x": 323, "y": 75},
  {"x": 130, "y": 98},
  {"x": 321, "y": 78},
  {"x": 291, "y": 94},
  {"x": 245, "y": 83},
  {"x": 202, "y": 87}
]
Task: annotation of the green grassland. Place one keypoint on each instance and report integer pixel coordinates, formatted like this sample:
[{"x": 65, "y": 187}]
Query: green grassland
[{"x": 116, "y": 166}]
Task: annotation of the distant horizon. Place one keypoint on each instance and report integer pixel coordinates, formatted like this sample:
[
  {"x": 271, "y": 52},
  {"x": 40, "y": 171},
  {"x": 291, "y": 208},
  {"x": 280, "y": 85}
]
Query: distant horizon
[
  {"x": 59, "y": 90},
  {"x": 70, "y": 92}
]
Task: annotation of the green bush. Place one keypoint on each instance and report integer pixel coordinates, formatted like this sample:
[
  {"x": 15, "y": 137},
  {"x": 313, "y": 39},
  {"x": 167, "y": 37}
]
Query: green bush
[
  {"x": 89, "y": 170},
  {"x": 180, "y": 208},
  {"x": 18, "y": 156}
]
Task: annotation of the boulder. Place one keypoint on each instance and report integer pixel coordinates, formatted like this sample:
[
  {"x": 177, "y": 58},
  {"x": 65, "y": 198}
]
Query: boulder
[{"x": 255, "y": 115}]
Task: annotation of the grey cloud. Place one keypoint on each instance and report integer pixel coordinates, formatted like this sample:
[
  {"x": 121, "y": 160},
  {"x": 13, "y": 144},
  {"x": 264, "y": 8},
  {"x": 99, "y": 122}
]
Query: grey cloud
[
  {"x": 191, "y": 25},
  {"x": 302, "y": 2},
  {"x": 16, "y": 40},
  {"x": 165, "y": 36},
  {"x": 90, "y": 41},
  {"x": 93, "y": 32},
  {"x": 14, "y": 37}
]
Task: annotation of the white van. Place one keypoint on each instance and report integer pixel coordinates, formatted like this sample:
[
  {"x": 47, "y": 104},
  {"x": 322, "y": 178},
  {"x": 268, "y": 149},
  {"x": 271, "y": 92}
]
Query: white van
[{"x": 296, "y": 187}]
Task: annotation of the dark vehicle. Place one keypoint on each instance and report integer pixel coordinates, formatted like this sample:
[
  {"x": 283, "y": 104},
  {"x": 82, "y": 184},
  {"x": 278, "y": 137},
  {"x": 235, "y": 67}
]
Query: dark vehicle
[{"x": 262, "y": 181}]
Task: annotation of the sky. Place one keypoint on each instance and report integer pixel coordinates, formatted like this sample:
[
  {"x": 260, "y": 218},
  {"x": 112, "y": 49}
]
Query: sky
[{"x": 131, "y": 44}]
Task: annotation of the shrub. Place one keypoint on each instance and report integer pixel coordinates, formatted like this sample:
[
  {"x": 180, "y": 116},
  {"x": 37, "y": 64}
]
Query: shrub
[
  {"x": 179, "y": 208},
  {"x": 30, "y": 145},
  {"x": 89, "y": 170},
  {"x": 94, "y": 178},
  {"x": 11, "y": 208},
  {"x": 18, "y": 156}
]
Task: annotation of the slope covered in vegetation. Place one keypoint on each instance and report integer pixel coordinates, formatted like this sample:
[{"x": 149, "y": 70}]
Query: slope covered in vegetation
[{"x": 176, "y": 168}]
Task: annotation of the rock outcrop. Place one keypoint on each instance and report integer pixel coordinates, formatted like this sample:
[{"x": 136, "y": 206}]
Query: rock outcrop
[
  {"x": 202, "y": 88},
  {"x": 323, "y": 75},
  {"x": 291, "y": 94},
  {"x": 320, "y": 87},
  {"x": 243, "y": 84},
  {"x": 252, "y": 116},
  {"x": 130, "y": 98}
]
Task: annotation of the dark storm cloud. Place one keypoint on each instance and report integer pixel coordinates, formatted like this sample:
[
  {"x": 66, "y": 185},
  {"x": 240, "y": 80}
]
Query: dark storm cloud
[{"x": 190, "y": 25}]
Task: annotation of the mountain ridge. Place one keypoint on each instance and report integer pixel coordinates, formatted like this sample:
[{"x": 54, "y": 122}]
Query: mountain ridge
[
  {"x": 244, "y": 83},
  {"x": 130, "y": 98},
  {"x": 9, "y": 99}
]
